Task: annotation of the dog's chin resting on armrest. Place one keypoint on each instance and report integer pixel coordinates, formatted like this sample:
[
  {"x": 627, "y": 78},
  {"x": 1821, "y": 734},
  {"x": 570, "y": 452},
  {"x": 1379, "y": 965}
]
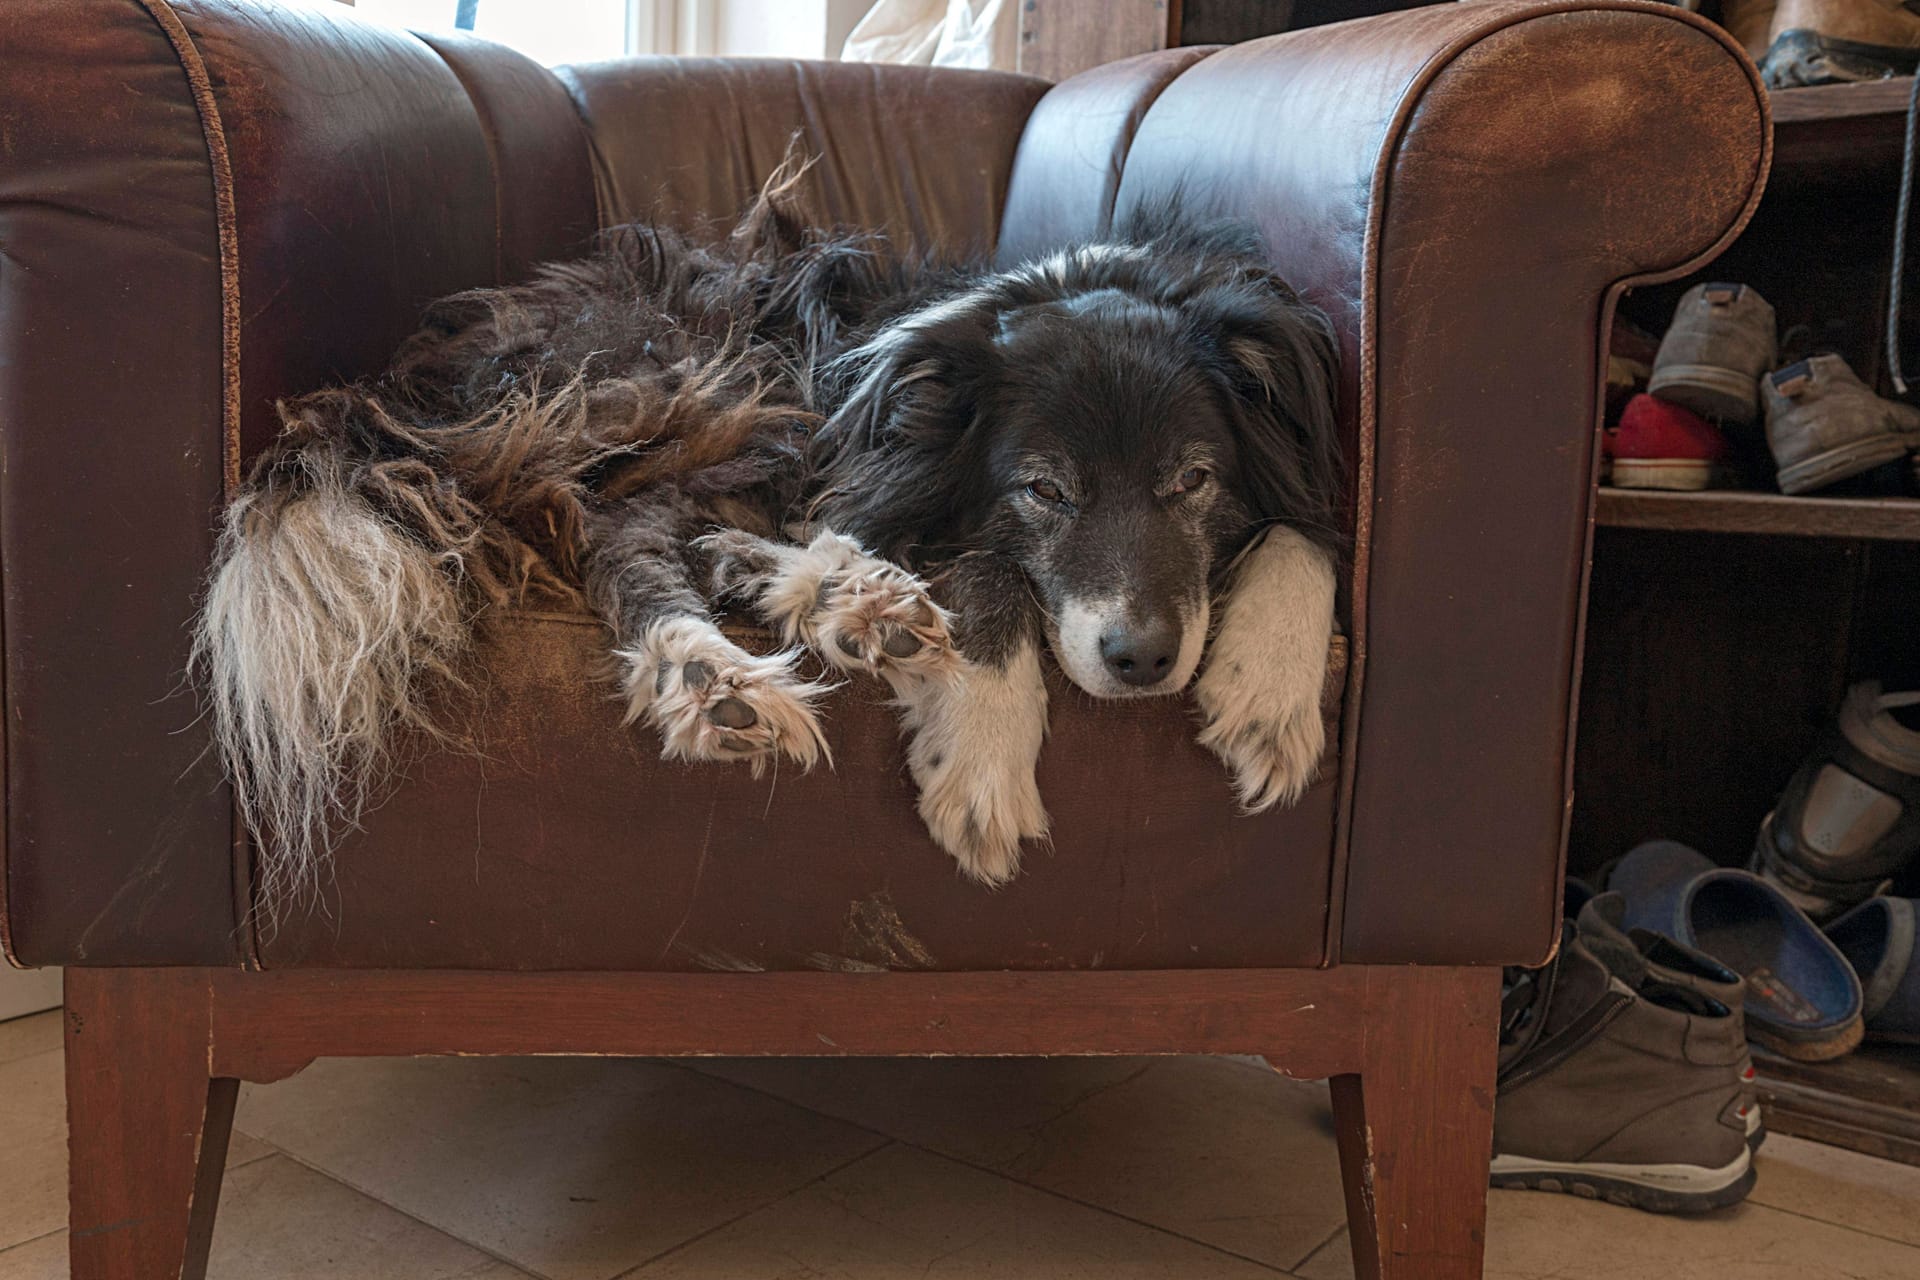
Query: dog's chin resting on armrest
[{"x": 1124, "y": 452}]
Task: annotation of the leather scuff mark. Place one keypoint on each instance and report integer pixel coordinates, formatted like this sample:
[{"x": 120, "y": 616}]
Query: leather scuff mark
[
  {"x": 717, "y": 961},
  {"x": 875, "y": 933}
]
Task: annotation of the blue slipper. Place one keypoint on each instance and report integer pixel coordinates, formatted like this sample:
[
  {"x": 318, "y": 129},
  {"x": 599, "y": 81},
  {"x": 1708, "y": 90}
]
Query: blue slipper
[
  {"x": 1877, "y": 937},
  {"x": 1803, "y": 999}
]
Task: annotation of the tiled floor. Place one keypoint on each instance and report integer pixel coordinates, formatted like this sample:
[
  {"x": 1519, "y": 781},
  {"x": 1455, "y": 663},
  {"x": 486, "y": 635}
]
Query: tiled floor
[{"x": 591, "y": 1169}]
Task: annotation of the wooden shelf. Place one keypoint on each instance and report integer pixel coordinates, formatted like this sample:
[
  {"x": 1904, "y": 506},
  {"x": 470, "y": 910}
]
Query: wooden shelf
[
  {"x": 1867, "y": 1101},
  {"x": 1834, "y": 132},
  {"x": 1731, "y": 511},
  {"x": 1841, "y": 101}
]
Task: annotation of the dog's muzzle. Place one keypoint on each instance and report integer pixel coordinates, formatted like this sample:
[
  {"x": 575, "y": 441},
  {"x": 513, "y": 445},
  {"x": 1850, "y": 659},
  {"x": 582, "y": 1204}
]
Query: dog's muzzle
[{"x": 1114, "y": 651}]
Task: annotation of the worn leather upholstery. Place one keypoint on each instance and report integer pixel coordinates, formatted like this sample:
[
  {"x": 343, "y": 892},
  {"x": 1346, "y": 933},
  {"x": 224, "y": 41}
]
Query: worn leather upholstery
[
  {"x": 921, "y": 154},
  {"x": 205, "y": 205},
  {"x": 1067, "y": 171}
]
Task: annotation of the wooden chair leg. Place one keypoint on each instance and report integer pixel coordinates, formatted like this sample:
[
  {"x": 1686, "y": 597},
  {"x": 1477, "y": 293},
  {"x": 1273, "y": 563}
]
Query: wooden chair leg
[
  {"x": 147, "y": 1124},
  {"x": 1415, "y": 1124}
]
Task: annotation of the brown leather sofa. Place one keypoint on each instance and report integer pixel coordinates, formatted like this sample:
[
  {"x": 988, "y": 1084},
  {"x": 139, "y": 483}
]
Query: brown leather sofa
[{"x": 209, "y": 204}]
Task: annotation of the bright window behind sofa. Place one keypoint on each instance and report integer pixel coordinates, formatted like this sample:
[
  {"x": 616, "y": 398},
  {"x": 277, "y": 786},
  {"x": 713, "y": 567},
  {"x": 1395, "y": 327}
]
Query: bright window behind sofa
[{"x": 549, "y": 31}]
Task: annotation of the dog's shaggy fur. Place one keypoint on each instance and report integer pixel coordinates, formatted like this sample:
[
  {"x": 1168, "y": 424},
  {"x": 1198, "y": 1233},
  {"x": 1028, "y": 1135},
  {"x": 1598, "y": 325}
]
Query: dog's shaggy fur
[{"x": 1081, "y": 451}]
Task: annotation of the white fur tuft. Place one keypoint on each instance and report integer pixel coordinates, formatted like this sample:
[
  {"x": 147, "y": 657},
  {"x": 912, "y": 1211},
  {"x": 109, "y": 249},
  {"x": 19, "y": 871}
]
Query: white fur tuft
[{"x": 324, "y": 632}]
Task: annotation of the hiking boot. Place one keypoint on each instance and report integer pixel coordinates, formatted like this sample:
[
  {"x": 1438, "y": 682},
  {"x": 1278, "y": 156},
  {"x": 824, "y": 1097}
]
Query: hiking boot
[
  {"x": 1825, "y": 426},
  {"x": 1850, "y": 816},
  {"x": 1839, "y": 41},
  {"x": 1662, "y": 446},
  {"x": 1607, "y": 1092},
  {"x": 1721, "y": 340},
  {"x": 1636, "y": 955}
]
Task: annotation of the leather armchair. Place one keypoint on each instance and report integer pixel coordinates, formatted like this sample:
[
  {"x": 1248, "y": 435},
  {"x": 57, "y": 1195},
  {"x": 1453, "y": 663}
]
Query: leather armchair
[{"x": 206, "y": 205}]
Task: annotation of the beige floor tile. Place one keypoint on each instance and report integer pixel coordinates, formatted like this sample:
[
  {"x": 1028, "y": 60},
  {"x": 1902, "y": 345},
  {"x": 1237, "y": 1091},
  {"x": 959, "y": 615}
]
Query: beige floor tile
[
  {"x": 1209, "y": 1148},
  {"x": 43, "y": 1259},
  {"x": 33, "y": 1157},
  {"x": 572, "y": 1167},
  {"x": 1840, "y": 1186},
  {"x": 983, "y": 1110},
  {"x": 24, "y": 1037},
  {"x": 280, "y": 1221},
  {"x": 33, "y": 1174},
  {"x": 1535, "y": 1236},
  {"x": 907, "y": 1213}
]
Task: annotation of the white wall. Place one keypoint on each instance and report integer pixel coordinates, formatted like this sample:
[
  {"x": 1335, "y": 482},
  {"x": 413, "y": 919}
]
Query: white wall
[
  {"x": 24, "y": 991},
  {"x": 786, "y": 28}
]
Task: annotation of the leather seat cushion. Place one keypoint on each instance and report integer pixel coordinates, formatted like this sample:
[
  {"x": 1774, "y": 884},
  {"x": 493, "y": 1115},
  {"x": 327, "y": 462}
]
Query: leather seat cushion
[{"x": 564, "y": 842}]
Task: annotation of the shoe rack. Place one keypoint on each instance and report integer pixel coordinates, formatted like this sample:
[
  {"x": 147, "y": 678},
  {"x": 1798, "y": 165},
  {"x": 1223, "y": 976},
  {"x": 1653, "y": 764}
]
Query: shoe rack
[{"x": 1724, "y": 626}]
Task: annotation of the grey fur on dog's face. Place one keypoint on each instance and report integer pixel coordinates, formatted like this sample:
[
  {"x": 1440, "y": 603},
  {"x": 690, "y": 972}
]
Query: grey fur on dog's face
[{"x": 1113, "y": 466}]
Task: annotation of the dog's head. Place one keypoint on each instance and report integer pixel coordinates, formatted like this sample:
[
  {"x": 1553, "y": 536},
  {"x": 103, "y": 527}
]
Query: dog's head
[{"x": 1119, "y": 418}]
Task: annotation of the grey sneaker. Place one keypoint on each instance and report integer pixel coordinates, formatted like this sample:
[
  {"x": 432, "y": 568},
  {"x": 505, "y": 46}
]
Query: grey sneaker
[
  {"x": 1636, "y": 956},
  {"x": 1611, "y": 1093},
  {"x": 1849, "y": 817},
  {"x": 1824, "y": 425},
  {"x": 1721, "y": 340}
]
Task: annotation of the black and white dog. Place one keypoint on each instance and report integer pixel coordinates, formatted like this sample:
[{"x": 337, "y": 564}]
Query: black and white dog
[{"x": 929, "y": 474}]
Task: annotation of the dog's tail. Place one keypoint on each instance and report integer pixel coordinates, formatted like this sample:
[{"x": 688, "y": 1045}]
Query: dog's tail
[{"x": 339, "y": 606}]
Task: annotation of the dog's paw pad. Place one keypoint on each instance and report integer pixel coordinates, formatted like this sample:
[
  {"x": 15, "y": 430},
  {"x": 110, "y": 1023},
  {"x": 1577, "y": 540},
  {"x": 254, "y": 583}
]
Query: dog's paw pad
[
  {"x": 1273, "y": 751},
  {"x": 879, "y": 618},
  {"x": 711, "y": 700},
  {"x": 731, "y": 713}
]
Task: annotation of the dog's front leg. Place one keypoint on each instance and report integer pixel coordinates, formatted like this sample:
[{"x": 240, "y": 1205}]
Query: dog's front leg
[
  {"x": 708, "y": 698},
  {"x": 855, "y": 610},
  {"x": 1260, "y": 691},
  {"x": 974, "y": 739}
]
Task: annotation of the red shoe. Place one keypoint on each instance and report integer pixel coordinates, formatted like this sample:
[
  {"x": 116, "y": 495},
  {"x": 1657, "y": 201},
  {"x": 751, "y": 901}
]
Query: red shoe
[{"x": 1662, "y": 446}]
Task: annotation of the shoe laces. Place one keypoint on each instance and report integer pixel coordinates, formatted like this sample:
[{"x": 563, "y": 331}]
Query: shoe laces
[{"x": 1907, "y": 150}]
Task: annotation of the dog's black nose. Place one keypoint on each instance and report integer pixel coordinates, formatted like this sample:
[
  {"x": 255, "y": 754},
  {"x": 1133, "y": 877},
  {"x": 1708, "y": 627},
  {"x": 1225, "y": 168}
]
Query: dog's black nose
[{"x": 1142, "y": 654}]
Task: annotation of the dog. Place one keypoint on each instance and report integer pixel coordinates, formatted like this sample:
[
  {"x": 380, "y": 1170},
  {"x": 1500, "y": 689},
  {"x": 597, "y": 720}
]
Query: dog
[{"x": 930, "y": 473}]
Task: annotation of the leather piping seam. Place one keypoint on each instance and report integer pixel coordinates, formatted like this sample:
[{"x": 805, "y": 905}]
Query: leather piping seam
[
  {"x": 596, "y": 158},
  {"x": 1368, "y": 425},
  {"x": 226, "y": 223},
  {"x": 490, "y": 137},
  {"x": 1609, "y": 305},
  {"x": 1135, "y": 119}
]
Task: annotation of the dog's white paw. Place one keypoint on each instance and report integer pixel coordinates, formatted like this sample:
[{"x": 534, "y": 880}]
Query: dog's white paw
[
  {"x": 975, "y": 743},
  {"x": 709, "y": 699},
  {"x": 1260, "y": 692},
  {"x": 1271, "y": 740},
  {"x": 857, "y": 611}
]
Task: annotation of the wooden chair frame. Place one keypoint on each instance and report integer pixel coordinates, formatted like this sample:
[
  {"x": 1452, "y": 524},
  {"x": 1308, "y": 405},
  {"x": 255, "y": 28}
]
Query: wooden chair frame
[{"x": 155, "y": 1058}]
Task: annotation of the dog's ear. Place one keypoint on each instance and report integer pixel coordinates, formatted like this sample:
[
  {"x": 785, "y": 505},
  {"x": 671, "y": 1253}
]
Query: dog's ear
[
  {"x": 1276, "y": 358},
  {"x": 895, "y": 446}
]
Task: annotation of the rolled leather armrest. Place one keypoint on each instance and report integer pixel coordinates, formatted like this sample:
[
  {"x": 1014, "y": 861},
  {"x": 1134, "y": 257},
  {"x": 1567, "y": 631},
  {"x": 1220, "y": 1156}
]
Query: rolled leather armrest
[
  {"x": 1466, "y": 188},
  {"x": 204, "y": 206}
]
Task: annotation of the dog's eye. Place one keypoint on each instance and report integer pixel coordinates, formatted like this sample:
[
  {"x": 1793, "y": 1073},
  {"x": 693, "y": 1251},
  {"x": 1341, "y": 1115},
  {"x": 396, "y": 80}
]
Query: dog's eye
[
  {"x": 1046, "y": 491},
  {"x": 1191, "y": 478}
]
